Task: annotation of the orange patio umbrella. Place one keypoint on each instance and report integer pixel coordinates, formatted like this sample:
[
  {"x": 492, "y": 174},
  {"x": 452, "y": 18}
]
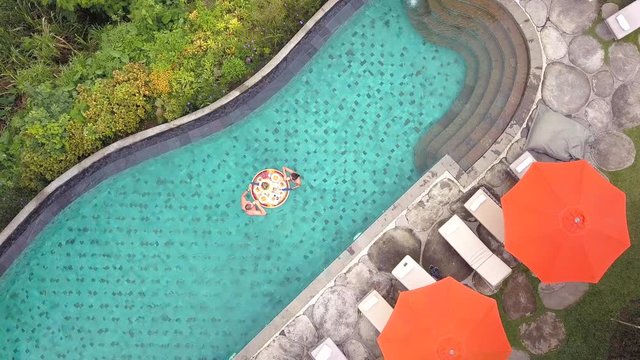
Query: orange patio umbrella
[
  {"x": 445, "y": 320},
  {"x": 565, "y": 222}
]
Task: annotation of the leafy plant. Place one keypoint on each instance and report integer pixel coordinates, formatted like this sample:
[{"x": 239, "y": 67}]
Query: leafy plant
[
  {"x": 71, "y": 83},
  {"x": 233, "y": 70}
]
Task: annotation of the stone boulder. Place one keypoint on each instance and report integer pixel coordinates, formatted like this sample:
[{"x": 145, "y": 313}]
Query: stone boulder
[
  {"x": 609, "y": 9},
  {"x": 544, "y": 334},
  {"x": 515, "y": 150},
  {"x": 392, "y": 246},
  {"x": 431, "y": 208},
  {"x": 482, "y": 286},
  {"x": 565, "y": 89},
  {"x": 458, "y": 208},
  {"x": 624, "y": 60},
  {"x": 518, "y": 298},
  {"x": 354, "y": 350},
  {"x": 422, "y": 215},
  {"x": 612, "y": 151},
  {"x": 562, "y": 295},
  {"x": 302, "y": 331},
  {"x": 335, "y": 313},
  {"x": 439, "y": 253},
  {"x": 573, "y": 16},
  {"x": 537, "y": 11},
  {"x": 553, "y": 43},
  {"x": 625, "y": 105},
  {"x": 602, "y": 83},
  {"x": 586, "y": 53},
  {"x": 603, "y": 32},
  {"x": 368, "y": 335},
  {"x": 363, "y": 277},
  {"x": 598, "y": 114},
  {"x": 282, "y": 348},
  {"x": 499, "y": 178}
]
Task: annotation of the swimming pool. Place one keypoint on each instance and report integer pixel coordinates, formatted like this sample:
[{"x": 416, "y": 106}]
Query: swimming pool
[{"x": 159, "y": 261}]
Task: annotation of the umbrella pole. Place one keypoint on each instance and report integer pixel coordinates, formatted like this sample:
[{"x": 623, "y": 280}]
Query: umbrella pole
[{"x": 626, "y": 323}]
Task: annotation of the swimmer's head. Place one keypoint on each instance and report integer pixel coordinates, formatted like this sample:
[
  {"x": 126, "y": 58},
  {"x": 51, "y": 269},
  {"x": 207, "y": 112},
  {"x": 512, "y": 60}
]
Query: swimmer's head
[
  {"x": 248, "y": 206},
  {"x": 294, "y": 176},
  {"x": 265, "y": 185}
]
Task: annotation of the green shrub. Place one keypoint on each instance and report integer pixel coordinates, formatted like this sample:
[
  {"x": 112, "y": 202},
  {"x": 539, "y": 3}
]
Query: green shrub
[
  {"x": 113, "y": 8},
  {"x": 43, "y": 156},
  {"x": 67, "y": 91},
  {"x": 233, "y": 70},
  {"x": 29, "y": 78},
  {"x": 116, "y": 107}
]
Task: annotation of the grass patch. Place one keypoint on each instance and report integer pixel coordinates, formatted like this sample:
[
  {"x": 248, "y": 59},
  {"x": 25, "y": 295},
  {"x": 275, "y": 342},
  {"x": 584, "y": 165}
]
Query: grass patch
[
  {"x": 588, "y": 323},
  {"x": 511, "y": 326}
]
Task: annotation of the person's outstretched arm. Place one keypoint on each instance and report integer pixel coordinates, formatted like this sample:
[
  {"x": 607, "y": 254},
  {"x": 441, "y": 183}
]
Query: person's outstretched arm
[
  {"x": 260, "y": 208},
  {"x": 284, "y": 168}
]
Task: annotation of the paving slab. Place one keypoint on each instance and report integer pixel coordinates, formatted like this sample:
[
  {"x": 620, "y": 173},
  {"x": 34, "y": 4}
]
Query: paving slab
[
  {"x": 612, "y": 151},
  {"x": 573, "y": 16},
  {"x": 625, "y": 104},
  {"x": 624, "y": 60},
  {"x": 602, "y": 83},
  {"x": 302, "y": 331},
  {"x": 553, "y": 43},
  {"x": 586, "y": 53},
  {"x": 538, "y": 11},
  {"x": 544, "y": 334},
  {"x": 392, "y": 247},
  {"x": 562, "y": 295},
  {"x": 335, "y": 313},
  {"x": 608, "y": 9},
  {"x": 565, "y": 89},
  {"x": 598, "y": 114},
  {"x": 518, "y": 298}
]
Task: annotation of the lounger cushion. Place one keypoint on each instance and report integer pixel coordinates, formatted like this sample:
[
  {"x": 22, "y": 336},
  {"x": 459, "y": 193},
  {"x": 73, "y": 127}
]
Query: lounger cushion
[
  {"x": 411, "y": 274},
  {"x": 557, "y": 135},
  {"x": 494, "y": 270}
]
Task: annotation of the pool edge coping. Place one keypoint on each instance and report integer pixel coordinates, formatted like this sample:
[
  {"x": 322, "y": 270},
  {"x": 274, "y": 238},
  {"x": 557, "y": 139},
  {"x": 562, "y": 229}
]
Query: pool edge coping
[{"x": 446, "y": 167}]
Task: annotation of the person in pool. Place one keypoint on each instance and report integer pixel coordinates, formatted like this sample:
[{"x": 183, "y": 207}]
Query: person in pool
[
  {"x": 293, "y": 176},
  {"x": 251, "y": 208}
]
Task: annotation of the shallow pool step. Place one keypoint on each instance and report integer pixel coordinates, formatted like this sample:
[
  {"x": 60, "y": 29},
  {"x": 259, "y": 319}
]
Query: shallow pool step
[{"x": 480, "y": 115}]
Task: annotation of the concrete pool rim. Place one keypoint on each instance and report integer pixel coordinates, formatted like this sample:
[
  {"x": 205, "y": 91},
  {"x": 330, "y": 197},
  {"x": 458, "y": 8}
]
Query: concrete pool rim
[{"x": 231, "y": 108}]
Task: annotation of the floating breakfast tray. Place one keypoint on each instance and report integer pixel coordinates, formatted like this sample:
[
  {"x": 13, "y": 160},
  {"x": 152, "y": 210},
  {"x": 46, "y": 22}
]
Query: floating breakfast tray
[{"x": 267, "y": 188}]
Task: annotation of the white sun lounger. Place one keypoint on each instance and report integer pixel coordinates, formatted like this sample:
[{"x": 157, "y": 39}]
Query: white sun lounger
[
  {"x": 625, "y": 21},
  {"x": 376, "y": 309},
  {"x": 488, "y": 212},
  {"x": 474, "y": 251},
  {"x": 520, "y": 166},
  {"x": 411, "y": 274},
  {"x": 327, "y": 350}
]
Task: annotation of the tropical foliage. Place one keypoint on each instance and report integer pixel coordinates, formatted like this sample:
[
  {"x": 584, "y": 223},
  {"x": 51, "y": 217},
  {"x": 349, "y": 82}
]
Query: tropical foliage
[{"x": 77, "y": 75}]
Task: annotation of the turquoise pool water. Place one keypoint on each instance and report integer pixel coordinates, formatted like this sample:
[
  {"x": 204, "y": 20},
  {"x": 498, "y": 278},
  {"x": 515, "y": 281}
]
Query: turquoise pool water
[{"x": 159, "y": 262}]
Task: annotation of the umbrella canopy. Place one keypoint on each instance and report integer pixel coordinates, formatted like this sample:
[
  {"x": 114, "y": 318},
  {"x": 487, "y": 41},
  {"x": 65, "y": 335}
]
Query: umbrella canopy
[
  {"x": 445, "y": 320},
  {"x": 565, "y": 222}
]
